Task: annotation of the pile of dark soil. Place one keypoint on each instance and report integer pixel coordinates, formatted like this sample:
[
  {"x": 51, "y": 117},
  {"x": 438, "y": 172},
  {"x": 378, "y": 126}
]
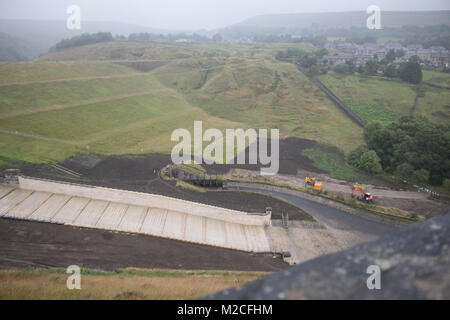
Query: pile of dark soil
[
  {"x": 141, "y": 174},
  {"x": 291, "y": 159},
  {"x": 26, "y": 244},
  {"x": 112, "y": 173}
]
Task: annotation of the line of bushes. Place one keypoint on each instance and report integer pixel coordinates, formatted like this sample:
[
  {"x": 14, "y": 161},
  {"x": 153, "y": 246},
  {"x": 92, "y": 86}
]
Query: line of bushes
[{"x": 82, "y": 40}]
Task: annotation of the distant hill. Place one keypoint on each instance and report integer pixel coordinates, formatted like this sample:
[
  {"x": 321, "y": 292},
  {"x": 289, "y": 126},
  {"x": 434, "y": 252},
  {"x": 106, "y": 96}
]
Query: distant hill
[
  {"x": 29, "y": 39},
  {"x": 40, "y": 35},
  {"x": 13, "y": 49},
  {"x": 389, "y": 19}
]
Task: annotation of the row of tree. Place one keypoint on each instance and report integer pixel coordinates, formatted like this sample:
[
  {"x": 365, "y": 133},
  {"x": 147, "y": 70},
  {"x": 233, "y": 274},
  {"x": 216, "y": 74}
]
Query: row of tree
[
  {"x": 309, "y": 61},
  {"x": 412, "y": 148},
  {"x": 410, "y": 71},
  {"x": 99, "y": 37},
  {"x": 82, "y": 40}
]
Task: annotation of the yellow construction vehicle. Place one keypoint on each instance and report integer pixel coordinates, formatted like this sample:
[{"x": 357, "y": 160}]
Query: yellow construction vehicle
[
  {"x": 317, "y": 185},
  {"x": 365, "y": 196},
  {"x": 310, "y": 181}
]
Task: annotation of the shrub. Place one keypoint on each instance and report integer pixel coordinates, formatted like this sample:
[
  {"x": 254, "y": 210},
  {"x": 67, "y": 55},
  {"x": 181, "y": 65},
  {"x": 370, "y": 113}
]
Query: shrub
[
  {"x": 404, "y": 171},
  {"x": 370, "y": 162},
  {"x": 411, "y": 72},
  {"x": 83, "y": 39},
  {"x": 354, "y": 157}
]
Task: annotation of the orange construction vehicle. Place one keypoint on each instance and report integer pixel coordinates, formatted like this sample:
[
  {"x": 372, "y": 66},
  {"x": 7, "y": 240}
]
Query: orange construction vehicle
[
  {"x": 365, "y": 196},
  {"x": 317, "y": 185}
]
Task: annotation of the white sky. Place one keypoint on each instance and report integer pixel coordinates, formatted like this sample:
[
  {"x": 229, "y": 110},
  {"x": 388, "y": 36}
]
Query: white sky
[{"x": 194, "y": 14}]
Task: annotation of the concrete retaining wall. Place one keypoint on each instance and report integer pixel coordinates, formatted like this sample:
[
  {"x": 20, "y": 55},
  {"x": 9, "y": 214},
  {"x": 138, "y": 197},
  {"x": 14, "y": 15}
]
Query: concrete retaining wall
[{"x": 143, "y": 199}]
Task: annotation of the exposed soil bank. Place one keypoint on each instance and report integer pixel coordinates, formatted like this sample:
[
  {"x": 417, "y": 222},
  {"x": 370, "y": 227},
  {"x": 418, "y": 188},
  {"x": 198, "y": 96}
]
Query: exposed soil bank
[{"x": 45, "y": 245}]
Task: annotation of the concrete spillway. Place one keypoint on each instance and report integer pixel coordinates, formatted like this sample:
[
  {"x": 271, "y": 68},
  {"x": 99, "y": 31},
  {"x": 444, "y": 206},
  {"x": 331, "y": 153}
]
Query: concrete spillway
[{"x": 119, "y": 210}]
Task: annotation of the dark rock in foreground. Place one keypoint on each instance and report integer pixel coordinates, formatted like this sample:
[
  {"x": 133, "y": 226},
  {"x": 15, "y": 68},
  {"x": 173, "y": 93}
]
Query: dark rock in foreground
[{"x": 414, "y": 263}]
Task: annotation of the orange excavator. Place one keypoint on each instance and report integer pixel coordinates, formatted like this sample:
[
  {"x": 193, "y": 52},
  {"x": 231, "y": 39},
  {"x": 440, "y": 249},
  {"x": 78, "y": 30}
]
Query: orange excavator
[{"x": 365, "y": 196}]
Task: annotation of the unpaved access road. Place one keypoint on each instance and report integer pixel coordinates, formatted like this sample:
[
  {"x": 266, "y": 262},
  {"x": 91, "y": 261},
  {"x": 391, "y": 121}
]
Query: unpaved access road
[
  {"x": 334, "y": 218},
  {"x": 416, "y": 202},
  {"x": 335, "y": 230}
]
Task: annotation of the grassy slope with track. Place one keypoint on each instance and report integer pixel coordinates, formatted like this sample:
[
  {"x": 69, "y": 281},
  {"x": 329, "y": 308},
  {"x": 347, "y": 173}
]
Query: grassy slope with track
[
  {"x": 51, "y": 110},
  {"x": 261, "y": 93}
]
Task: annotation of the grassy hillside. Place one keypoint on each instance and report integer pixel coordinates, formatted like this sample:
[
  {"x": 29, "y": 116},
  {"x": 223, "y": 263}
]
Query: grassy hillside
[
  {"x": 382, "y": 99},
  {"x": 436, "y": 78},
  {"x": 121, "y": 51},
  {"x": 126, "y": 284},
  {"x": 261, "y": 93},
  {"x": 53, "y": 109},
  {"x": 37, "y": 71}
]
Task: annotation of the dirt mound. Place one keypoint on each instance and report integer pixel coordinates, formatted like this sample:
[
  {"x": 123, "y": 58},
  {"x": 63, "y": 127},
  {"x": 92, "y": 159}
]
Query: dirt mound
[
  {"x": 291, "y": 159},
  {"x": 129, "y": 168},
  {"x": 141, "y": 174}
]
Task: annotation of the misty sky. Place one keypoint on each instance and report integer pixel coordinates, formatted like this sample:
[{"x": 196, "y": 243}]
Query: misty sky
[{"x": 194, "y": 14}]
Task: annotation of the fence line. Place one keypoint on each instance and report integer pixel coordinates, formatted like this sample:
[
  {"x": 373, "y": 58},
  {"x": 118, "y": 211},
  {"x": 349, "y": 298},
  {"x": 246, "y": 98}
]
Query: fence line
[{"x": 338, "y": 102}]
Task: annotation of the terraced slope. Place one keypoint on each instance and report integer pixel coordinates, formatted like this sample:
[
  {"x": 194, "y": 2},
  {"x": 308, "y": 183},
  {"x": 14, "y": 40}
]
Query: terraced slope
[{"x": 121, "y": 98}]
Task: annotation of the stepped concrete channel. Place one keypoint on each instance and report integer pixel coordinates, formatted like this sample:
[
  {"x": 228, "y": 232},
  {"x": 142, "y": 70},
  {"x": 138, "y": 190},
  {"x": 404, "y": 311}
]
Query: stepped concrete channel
[{"x": 119, "y": 210}]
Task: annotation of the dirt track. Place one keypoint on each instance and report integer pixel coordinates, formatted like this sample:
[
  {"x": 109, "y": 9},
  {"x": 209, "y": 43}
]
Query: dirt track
[
  {"x": 407, "y": 200},
  {"x": 43, "y": 245}
]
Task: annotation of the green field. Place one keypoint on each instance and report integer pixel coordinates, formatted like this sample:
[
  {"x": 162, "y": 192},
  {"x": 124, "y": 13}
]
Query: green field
[
  {"x": 385, "y": 100},
  {"x": 437, "y": 78},
  {"x": 101, "y": 103},
  {"x": 363, "y": 92},
  {"x": 45, "y": 71},
  {"x": 435, "y": 102},
  {"x": 17, "y": 99}
]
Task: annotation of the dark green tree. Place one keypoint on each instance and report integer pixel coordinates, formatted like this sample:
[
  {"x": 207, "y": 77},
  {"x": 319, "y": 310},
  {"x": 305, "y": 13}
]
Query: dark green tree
[
  {"x": 404, "y": 171},
  {"x": 390, "y": 71},
  {"x": 390, "y": 56},
  {"x": 354, "y": 157},
  {"x": 370, "y": 162},
  {"x": 371, "y": 67},
  {"x": 411, "y": 71},
  {"x": 421, "y": 176},
  {"x": 413, "y": 143}
]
